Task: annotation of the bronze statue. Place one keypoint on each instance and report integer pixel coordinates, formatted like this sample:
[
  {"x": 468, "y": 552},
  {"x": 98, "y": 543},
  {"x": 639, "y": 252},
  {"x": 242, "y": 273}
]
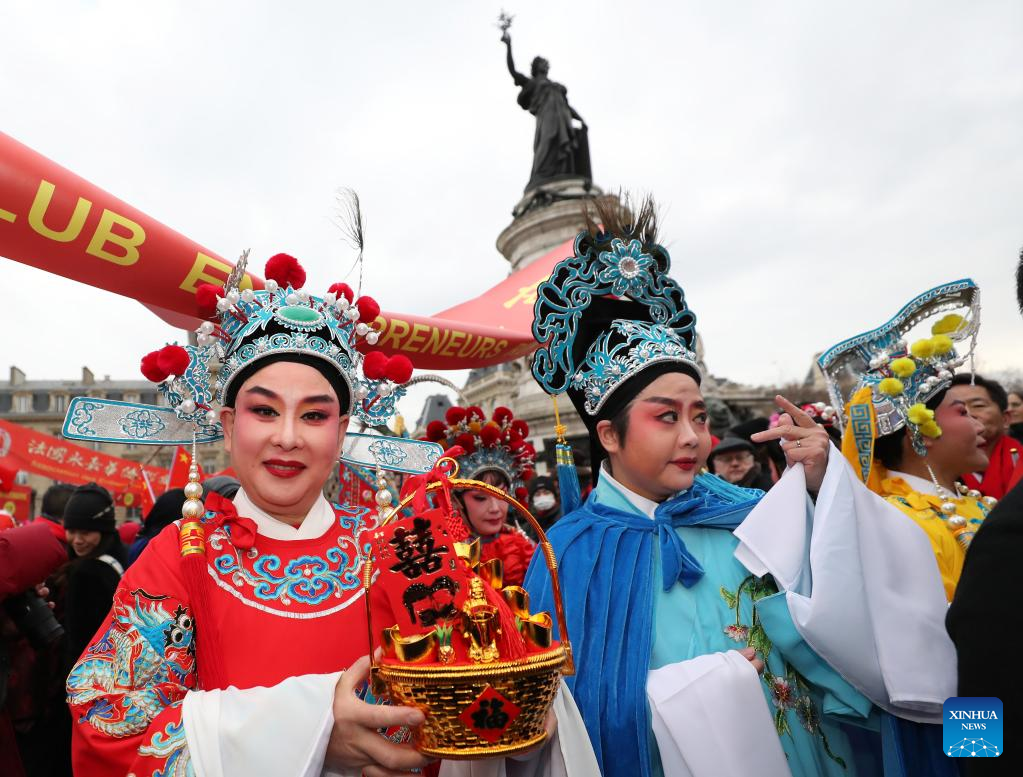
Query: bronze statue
[{"x": 560, "y": 150}]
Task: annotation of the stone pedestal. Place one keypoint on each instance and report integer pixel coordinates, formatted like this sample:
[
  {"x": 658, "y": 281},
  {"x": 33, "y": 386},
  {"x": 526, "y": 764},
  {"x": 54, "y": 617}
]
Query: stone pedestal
[{"x": 544, "y": 218}]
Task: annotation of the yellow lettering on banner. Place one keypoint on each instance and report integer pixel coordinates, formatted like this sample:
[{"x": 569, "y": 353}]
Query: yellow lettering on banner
[
  {"x": 526, "y": 295},
  {"x": 417, "y": 338},
  {"x": 453, "y": 343},
  {"x": 495, "y": 349},
  {"x": 105, "y": 235},
  {"x": 6, "y": 215},
  {"x": 41, "y": 203},
  {"x": 396, "y": 329},
  {"x": 470, "y": 347},
  {"x": 438, "y": 337},
  {"x": 198, "y": 274}
]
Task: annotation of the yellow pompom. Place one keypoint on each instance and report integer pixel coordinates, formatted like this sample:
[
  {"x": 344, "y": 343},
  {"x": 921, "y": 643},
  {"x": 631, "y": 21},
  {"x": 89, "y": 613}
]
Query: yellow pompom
[
  {"x": 903, "y": 367},
  {"x": 930, "y": 429},
  {"x": 942, "y": 344},
  {"x": 475, "y": 427},
  {"x": 920, "y": 414},
  {"x": 891, "y": 386},
  {"x": 953, "y": 322},
  {"x": 922, "y": 349}
]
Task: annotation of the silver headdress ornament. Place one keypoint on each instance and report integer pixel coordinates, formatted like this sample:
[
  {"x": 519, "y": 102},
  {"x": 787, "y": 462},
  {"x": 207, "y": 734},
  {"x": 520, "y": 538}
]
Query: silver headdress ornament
[
  {"x": 903, "y": 376},
  {"x": 243, "y": 327}
]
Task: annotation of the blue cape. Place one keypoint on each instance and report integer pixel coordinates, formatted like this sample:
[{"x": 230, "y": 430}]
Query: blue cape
[{"x": 606, "y": 569}]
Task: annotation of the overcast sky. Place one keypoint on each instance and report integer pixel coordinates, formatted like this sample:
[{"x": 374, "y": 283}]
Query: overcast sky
[{"x": 817, "y": 164}]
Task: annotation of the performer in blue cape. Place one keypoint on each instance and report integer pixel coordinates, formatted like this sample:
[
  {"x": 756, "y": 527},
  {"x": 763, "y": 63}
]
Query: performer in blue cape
[{"x": 687, "y": 662}]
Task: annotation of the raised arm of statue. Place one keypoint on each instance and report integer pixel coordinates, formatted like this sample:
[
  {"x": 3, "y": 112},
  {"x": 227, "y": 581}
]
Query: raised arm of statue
[{"x": 516, "y": 75}]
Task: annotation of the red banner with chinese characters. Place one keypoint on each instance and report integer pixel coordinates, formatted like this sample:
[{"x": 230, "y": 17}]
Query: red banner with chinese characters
[
  {"x": 57, "y": 221},
  {"x": 17, "y": 500},
  {"x": 32, "y": 451}
]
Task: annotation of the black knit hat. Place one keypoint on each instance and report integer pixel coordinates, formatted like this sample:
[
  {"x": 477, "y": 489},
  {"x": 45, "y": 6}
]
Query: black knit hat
[{"x": 90, "y": 508}]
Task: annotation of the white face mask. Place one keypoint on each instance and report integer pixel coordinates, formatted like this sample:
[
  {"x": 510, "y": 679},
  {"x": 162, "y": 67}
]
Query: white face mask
[{"x": 544, "y": 501}]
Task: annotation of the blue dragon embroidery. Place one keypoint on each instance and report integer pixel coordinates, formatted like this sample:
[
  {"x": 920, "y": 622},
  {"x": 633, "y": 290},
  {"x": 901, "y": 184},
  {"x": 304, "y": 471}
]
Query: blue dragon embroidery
[
  {"x": 146, "y": 655},
  {"x": 172, "y": 746}
]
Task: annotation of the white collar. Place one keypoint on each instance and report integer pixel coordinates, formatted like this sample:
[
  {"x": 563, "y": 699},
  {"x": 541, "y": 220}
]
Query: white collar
[
  {"x": 641, "y": 503},
  {"x": 319, "y": 518},
  {"x": 918, "y": 484}
]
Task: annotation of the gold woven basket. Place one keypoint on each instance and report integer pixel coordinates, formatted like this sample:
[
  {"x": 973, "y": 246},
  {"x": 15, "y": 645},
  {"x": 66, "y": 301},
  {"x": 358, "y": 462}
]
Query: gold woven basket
[{"x": 445, "y": 692}]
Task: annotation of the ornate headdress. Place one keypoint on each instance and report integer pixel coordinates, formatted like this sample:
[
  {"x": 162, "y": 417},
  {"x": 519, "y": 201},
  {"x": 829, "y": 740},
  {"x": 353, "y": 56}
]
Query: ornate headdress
[
  {"x": 498, "y": 444},
  {"x": 610, "y": 312},
  {"x": 243, "y": 329},
  {"x": 887, "y": 381}
]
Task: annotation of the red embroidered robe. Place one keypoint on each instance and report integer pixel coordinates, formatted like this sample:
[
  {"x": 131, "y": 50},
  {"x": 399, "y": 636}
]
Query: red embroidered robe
[{"x": 279, "y": 609}]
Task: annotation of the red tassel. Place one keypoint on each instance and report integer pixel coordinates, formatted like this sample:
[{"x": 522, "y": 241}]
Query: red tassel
[{"x": 208, "y": 657}]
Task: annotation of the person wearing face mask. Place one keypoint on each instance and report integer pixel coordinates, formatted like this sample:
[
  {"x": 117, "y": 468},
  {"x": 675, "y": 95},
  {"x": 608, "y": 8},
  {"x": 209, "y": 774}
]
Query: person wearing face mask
[
  {"x": 496, "y": 452},
  {"x": 543, "y": 501}
]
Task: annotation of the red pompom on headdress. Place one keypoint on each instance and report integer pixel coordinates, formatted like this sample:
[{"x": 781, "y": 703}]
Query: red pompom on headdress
[
  {"x": 490, "y": 434},
  {"x": 340, "y": 290},
  {"x": 368, "y": 309},
  {"x": 399, "y": 367},
  {"x": 286, "y": 270},
  {"x": 465, "y": 440},
  {"x": 173, "y": 360},
  {"x": 501, "y": 437},
  {"x": 502, "y": 414},
  {"x": 455, "y": 415},
  {"x": 374, "y": 364},
  {"x": 151, "y": 368},
  {"x": 206, "y": 299}
]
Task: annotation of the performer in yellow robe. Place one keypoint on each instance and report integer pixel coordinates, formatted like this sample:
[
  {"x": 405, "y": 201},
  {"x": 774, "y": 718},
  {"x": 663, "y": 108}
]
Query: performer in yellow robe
[{"x": 905, "y": 437}]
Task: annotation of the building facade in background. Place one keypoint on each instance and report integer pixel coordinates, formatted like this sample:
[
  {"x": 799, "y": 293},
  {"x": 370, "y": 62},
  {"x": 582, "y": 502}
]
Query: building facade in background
[{"x": 41, "y": 405}]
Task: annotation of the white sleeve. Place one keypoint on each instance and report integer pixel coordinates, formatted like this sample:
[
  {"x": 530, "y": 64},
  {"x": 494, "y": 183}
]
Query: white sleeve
[
  {"x": 567, "y": 754},
  {"x": 280, "y": 731},
  {"x": 862, "y": 587},
  {"x": 697, "y": 706}
]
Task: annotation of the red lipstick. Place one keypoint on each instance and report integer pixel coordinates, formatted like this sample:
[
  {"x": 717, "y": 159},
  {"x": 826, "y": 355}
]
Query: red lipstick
[
  {"x": 283, "y": 468},
  {"x": 685, "y": 464}
]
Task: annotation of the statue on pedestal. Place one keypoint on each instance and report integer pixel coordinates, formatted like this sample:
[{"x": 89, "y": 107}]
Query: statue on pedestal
[{"x": 560, "y": 150}]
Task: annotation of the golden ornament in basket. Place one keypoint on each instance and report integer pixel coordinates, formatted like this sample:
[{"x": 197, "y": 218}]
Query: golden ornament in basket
[{"x": 490, "y": 706}]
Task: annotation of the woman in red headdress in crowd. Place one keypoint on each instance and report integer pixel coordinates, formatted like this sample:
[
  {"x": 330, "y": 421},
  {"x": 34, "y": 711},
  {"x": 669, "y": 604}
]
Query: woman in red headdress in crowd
[{"x": 495, "y": 452}]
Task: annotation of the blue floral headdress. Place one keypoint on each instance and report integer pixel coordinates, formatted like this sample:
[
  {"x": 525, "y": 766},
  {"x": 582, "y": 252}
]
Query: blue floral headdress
[
  {"x": 246, "y": 327},
  {"x": 607, "y": 313},
  {"x": 887, "y": 381}
]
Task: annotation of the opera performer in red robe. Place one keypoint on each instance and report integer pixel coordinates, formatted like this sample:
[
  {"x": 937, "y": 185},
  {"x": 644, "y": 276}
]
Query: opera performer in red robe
[{"x": 222, "y": 633}]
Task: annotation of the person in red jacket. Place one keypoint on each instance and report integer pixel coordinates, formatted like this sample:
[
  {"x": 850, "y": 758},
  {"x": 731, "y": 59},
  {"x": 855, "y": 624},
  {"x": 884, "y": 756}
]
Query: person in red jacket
[
  {"x": 51, "y": 512},
  {"x": 28, "y": 636},
  {"x": 988, "y": 402},
  {"x": 497, "y": 453}
]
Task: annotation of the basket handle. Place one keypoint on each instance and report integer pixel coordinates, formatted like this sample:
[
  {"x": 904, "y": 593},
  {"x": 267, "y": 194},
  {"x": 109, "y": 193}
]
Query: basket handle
[{"x": 548, "y": 554}]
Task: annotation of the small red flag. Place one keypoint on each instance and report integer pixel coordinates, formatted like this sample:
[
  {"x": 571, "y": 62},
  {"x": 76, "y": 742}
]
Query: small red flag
[{"x": 178, "y": 475}]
